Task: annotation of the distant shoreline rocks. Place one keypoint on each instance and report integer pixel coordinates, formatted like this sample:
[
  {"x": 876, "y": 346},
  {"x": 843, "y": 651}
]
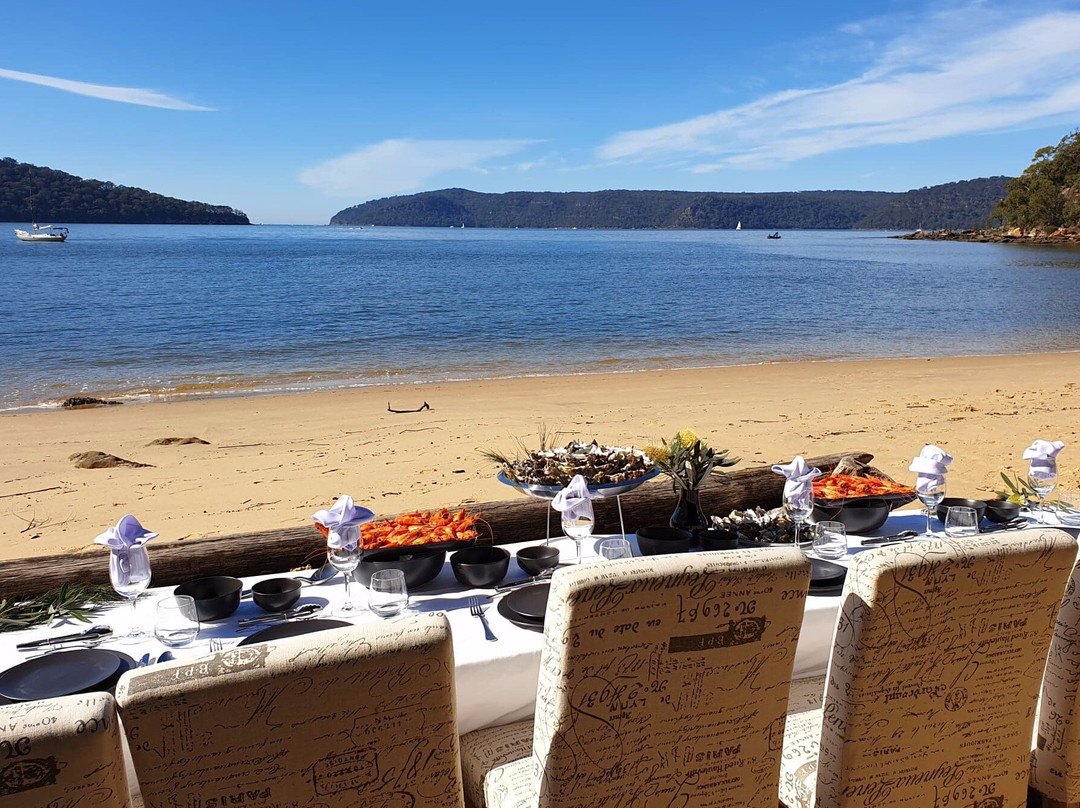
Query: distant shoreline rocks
[
  {"x": 1062, "y": 235},
  {"x": 86, "y": 402}
]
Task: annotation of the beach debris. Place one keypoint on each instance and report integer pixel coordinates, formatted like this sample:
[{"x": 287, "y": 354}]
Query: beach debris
[
  {"x": 598, "y": 464},
  {"x": 421, "y": 408},
  {"x": 86, "y": 402},
  {"x": 101, "y": 460},
  {"x": 178, "y": 442}
]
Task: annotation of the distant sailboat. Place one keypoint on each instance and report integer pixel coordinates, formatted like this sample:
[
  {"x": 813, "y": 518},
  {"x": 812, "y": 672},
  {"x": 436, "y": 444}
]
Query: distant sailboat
[
  {"x": 42, "y": 232},
  {"x": 739, "y": 225}
]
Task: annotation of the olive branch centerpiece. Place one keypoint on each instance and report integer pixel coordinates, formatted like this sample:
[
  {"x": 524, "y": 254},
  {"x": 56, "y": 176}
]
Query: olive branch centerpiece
[{"x": 688, "y": 461}]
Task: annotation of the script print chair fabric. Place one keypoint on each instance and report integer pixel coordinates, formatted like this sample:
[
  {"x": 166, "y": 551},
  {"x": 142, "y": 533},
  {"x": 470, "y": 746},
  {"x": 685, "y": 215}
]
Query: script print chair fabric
[
  {"x": 663, "y": 681},
  {"x": 359, "y": 716},
  {"x": 60, "y": 752},
  {"x": 1055, "y": 760},
  {"x": 934, "y": 676}
]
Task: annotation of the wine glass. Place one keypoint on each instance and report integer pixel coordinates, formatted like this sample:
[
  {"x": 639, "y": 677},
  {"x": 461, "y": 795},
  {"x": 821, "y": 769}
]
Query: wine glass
[
  {"x": 931, "y": 497},
  {"x": 578, "y": 528},
  {"x": 1042, "y": 482},
  {"x": 799, "y": 507},
  {"x": 129, "y": 573},
  {"x": 345, "y": 560}
]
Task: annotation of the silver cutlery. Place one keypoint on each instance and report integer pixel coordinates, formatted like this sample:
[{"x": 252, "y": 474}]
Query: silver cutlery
[
  {"x": 216, "y": 645},
  {"x": 306, "y": 610},
  {"x": 166, "y": 657},
  {"x": 543, "y": 576},
  {"x": 1013, "y": 524},
  {"x": 321, "y": 576},
  {"x": 144, "y": 662},
  {"x": 94, "y": 634},
  {"x": 896, "y": 537},
  {"x": 477, "y": 610}
]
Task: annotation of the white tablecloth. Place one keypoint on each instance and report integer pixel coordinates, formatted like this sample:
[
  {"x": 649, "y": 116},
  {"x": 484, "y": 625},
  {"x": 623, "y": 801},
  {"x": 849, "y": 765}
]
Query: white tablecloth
[{"x": 496, "y": 681}]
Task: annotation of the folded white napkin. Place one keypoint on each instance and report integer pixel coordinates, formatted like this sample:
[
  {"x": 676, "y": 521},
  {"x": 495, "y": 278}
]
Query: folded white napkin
[
  {"x": 931, "y": 465},
  {"x": 1043, "y": 457},
  {"x": 574, "y": 501},
  {"x": 127, "y": 533},
  {"x": 799, "y": 487},
  {"x": 121, "y": 540},
  {"x": 343, "y": 521}
]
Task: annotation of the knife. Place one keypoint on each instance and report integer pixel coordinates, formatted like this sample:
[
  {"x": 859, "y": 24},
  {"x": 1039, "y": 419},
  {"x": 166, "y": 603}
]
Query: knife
[
  {"x": 306, "y": 610},
  {"x": 93, "y": 633},
  {"x": 907, "y": 534},
  {"x": 544, "y": 576}
]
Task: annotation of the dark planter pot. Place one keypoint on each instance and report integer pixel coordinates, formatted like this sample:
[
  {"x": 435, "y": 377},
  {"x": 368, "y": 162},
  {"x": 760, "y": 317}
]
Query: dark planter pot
[{"x": 688, "y": 515}]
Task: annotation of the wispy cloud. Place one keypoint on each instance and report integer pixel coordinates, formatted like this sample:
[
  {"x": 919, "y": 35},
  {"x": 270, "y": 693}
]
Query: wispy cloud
[
  {"x": 399, "y": 166},
  {"x": 949, "y": 80},
  {"x": 125, "y": 95}
]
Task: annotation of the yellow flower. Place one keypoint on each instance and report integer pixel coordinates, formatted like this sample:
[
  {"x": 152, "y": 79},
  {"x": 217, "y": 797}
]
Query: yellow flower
[
  {"x": 687, "y": 437},
  {"x": 656, "y": 453}
]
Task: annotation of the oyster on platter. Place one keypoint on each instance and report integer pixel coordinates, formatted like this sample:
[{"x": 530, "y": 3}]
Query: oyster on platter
[
  {"x": 774, "y": 526},
  {"x": 598, "y": 464}
]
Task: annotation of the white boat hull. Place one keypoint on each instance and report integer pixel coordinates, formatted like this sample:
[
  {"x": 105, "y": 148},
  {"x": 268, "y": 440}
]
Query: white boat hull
[{"x": 23, "y": 235}]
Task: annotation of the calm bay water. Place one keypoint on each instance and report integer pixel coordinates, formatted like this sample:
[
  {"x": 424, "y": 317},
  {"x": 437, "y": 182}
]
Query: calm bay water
[{"x": 178, "y": 311}]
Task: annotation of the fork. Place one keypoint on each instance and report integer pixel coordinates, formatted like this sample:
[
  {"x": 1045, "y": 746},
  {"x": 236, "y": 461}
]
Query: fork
[
  {"x": 477, "y": 610},
  {"x": 216, "y": 645}
]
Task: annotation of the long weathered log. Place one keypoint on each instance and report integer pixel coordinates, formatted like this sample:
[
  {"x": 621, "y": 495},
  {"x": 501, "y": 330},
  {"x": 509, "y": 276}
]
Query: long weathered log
[{"x": 514, "y": 520}]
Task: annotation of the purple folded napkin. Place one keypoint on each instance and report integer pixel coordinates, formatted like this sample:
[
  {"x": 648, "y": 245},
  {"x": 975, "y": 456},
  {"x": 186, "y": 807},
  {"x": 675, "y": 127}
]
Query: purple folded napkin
[
  {"x": 931, "y": 465},
  {"x": 799, "y": 482},
  {"x": 125, "y": 543},
  {"x": 1043, "y": 457},
  {"x": 343, "y": 523},
  {"x": 574, "y": 501}
]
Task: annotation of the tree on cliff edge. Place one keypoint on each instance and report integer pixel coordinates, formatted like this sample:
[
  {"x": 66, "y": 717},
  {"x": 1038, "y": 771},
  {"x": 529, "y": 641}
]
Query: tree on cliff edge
[{"x": 1047, "y": 195}]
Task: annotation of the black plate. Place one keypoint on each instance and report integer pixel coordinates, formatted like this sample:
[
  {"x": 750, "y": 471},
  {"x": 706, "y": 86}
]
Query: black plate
[
  {"x": 531, "y": 625},
  {"x": 826, "y": 575},
  {"x": 528, "y": 602},
  {"x": 63, "y": 673},
  {"x": 293, "y": 629}
]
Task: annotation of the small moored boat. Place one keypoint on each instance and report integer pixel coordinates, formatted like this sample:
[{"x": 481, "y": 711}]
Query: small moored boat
[
  {"x": 774, "y": 235},
  {"x": 43, "y": 232}
]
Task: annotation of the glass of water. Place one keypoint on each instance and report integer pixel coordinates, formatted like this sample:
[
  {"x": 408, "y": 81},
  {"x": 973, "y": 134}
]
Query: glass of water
[
  {"x": 961, "y": 521},
  {"x": 612, "y": 549},
  {"x": 177, "y": 621},
  {"x": 1068, "y": 505},
  {"x": 830, "y": 540},
  {"x": 387, "y": 594}
]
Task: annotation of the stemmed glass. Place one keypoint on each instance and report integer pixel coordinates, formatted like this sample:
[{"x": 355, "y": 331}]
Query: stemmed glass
[
  {"x": 578, "y": 528},
  {"x": 799, "y": 508},
  {"x": 129, "y": 573},
  {"x": 345, "y": 560},
  {"x": 1042, "y": 483},
  {"x": 931, "y": 498}
]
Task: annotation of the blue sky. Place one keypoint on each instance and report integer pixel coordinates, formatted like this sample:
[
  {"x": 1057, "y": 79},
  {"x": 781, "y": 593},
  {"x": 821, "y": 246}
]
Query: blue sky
[{"x": 293, "y": 111}]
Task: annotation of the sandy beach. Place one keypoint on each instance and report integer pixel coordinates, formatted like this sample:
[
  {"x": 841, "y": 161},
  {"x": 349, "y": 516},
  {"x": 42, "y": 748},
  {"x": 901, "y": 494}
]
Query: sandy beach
[{"x": 272, "y": 461}]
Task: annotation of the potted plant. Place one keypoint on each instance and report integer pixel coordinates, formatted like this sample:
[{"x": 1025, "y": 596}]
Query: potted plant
[{"x": 688, "y": 461}]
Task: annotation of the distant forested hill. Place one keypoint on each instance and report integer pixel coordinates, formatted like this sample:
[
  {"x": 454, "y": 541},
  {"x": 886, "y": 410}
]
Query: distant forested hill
[
  {"x": 956, "y": 205},
  {"x": 61, "y": 198}
]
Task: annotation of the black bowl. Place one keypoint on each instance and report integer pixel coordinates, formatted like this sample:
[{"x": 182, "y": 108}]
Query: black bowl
[
  {"x": 420, "y": 566},
  {"x": 958, "y": 502},
  {"x": 661, "y": 540},
  {"x": 216, "y": 597},
  {"x": 537, "y": 558},
  {"x": 1001, "y": 510},
  {"x": 276, "y": 594},
  {"x": 857, "y": 515},
  {"x": 480, "y": 566},
  {"x": 716, "y": 539}
]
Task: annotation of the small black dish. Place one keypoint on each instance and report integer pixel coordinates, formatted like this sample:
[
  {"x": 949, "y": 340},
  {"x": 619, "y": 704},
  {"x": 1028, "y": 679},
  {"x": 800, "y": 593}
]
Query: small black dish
[
  {"x": 959, "y": 502},
  {"x": 857, "y": 515},
  {"x": 1001, "y": 510},
  {"x": 216, "y": 597},
  {"x": 537, "y": 558},
  {"x": 276, "y": 594},
  {"x": 480, "y": 566},
  {"x": 421, "y": 566},
  {"x": 293, "y": 629},
  {"x": 662, "y": 540},
  {"x": 717, "y": 539}
]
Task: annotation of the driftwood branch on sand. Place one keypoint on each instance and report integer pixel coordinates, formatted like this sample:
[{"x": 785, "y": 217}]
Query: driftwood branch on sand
[{"x": 266, "y": 552}]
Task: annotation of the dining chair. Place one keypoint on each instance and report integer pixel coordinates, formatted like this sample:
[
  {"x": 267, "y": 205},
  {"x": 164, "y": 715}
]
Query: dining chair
[
  {"x": 362, "y": 715},
  {"x": 62, "y": 751},
  {"x": 934, "y": 674},
  {"x": 663, "y": 681},
  {"x": 1055, "y": 758}
]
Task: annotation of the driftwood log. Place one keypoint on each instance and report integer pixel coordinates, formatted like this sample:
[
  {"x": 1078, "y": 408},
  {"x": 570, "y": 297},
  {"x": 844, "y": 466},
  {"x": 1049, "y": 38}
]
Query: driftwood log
[{"x": 514, "y": 520}]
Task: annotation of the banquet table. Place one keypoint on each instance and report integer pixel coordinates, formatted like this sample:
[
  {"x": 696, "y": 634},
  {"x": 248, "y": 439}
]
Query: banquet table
[{"x": 495, "y": 681}]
